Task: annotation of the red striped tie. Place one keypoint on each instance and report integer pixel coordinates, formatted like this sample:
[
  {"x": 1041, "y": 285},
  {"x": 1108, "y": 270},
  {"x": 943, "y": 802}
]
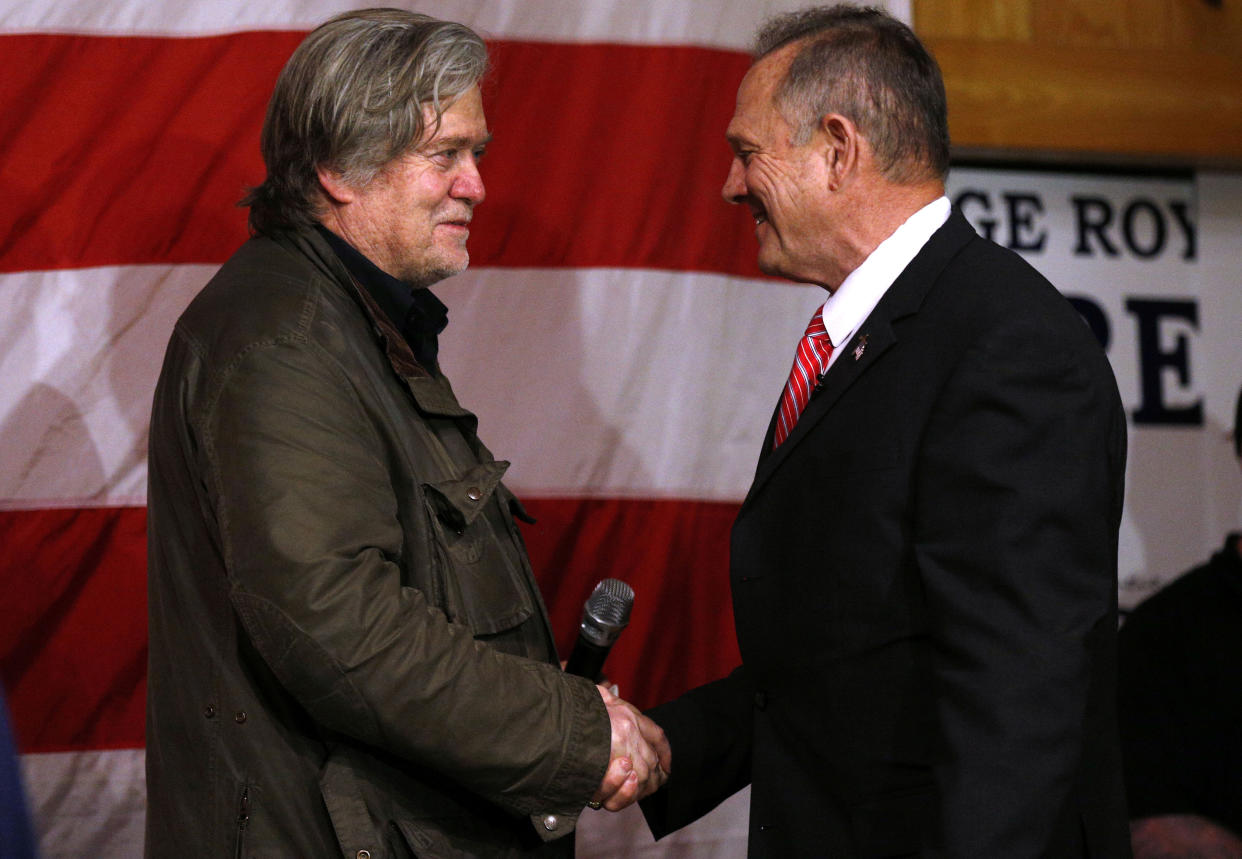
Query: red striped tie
[{"x": 809, "y": 364}]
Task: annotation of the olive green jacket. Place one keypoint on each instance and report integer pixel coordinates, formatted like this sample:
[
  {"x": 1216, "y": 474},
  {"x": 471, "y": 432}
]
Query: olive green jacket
[{"x": 348, "y": 651}]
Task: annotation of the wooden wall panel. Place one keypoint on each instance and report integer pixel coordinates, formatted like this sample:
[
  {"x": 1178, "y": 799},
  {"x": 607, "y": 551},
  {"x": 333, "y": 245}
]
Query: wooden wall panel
[
  {"x": 1139, "y": 24},
  {"x": 984, "y": 20},
  {"x": 1152, "y": 81},
  {"x": 1196, "y": 26}
]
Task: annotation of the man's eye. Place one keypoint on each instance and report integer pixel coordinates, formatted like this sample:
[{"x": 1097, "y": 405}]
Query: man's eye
[
  {"x": 480, "y": 152},
  {"x": 447, "y": 154}
]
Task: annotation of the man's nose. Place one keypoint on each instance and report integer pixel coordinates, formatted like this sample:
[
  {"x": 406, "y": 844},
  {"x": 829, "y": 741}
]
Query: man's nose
[
  {"x": 734, "y": 190},
  {"x": 469, "y": 182}
]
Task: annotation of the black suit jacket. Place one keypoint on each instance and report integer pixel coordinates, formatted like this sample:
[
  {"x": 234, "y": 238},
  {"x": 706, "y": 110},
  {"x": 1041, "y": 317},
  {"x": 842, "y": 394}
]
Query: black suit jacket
[{"x": 924, "y": 584}]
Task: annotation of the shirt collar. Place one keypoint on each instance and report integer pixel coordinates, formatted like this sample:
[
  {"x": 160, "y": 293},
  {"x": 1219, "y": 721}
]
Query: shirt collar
[
  {"x": 416, "y": 313},
  {"x": 862, "y": 290}
]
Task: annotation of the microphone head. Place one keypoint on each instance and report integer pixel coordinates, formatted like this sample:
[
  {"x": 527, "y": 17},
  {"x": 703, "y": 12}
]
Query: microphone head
[{"x": 607, "y": 611}]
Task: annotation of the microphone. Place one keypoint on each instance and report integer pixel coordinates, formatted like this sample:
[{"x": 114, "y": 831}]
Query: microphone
[{"x": 606, "y": 613}]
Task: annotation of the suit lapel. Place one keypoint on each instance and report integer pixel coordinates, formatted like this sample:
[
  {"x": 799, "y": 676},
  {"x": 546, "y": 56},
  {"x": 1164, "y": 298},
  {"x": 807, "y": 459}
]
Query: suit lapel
[
  {"x": 840, "y": 377},
  {"x": 873, "y": 338}
]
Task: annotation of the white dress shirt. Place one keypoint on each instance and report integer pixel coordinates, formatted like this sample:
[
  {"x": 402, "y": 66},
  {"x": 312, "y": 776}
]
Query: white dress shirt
[{"x": 848, "y": 307}]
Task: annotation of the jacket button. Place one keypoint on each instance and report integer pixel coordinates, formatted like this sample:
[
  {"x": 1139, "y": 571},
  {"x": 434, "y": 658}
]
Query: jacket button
[
  {"x": 209, "y": 711},
  {"x": 550, "y": 822},
  {"x": 473, "y": 493},
  {"x": 239, "y": 717},
  {"x": 363, "y": 854},
  {"x": 761, "y": 700}
]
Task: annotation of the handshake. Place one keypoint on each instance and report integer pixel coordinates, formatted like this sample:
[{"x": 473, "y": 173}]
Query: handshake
[{"x": 640, "y": 760}]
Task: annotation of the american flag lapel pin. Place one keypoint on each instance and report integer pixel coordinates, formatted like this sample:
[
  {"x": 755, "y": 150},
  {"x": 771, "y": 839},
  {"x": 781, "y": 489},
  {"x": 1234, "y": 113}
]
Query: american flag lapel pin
[{"x": 861, "y": 347}]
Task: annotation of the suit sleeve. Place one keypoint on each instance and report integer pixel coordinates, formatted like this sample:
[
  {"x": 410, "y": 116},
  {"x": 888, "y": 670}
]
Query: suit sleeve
[
  {"x": 305, "y": 506},
  {"x": 709, "y": 731},
  {"x": 1018, "y": 494}
]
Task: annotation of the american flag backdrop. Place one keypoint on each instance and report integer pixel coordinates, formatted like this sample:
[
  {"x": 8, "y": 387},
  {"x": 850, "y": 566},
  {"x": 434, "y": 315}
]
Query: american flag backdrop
[{"x": 612, "y": 333}]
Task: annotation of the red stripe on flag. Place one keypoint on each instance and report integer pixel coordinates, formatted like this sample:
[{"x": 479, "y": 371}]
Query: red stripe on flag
[
  {"x": 73, "y": 626},
  {"x": 118, "y": 151},
  {"x": 130, "y": 150},
  {"x": 674, "y": 554},
  {"x": 612, "y": 156},
  {"x": 73, "y": 649}
]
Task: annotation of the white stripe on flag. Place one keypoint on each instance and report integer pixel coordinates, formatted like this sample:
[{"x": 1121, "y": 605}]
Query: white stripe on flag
[
  {"x": 594, "y": 382},
  {"x": 81, "y": 352},
  {"x": 87, "y": 803},
  {"x": 727, "y": 24},
  {"x": 538, "y": 355}
]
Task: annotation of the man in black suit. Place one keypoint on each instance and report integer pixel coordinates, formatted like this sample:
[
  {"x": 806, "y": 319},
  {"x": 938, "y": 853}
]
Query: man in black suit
[{"x": 924, "y": 569}]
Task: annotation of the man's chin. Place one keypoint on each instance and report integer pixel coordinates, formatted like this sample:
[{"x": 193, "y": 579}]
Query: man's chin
[
  {"x": 771, "y": 264},
  {"x": 437, "y": 270}
]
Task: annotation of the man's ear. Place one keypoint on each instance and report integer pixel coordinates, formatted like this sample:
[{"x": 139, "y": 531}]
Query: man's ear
[
  {"x": 841, "y": 148},
  {"x": 334, "y": 185}
]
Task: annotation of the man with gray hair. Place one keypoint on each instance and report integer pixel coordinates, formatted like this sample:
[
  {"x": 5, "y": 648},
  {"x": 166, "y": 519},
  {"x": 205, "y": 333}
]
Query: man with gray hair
[
  {"x": 349, "y": 654},
  {"x": 924, "y": 568}
]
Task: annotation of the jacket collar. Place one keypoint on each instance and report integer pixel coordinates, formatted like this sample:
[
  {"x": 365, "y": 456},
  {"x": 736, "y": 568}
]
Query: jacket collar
[
  {"x": 874, "y": 337},
  {"x": 432, "y": 392},
  {"x": 416, "y": 313}
]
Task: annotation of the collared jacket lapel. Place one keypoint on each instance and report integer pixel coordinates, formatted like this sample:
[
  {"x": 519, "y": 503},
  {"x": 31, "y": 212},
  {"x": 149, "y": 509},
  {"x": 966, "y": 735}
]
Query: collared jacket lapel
[{"x": 902, "y": 299}]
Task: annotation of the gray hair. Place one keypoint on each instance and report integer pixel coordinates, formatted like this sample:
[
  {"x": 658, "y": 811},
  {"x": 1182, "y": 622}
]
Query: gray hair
[
  {"x": 351, "y": 98},
  {"x": 866, "y": 65}
]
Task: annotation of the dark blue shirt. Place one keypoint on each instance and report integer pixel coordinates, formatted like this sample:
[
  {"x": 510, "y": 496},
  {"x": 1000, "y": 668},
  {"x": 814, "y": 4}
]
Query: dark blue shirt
[{"x": 416, "y": 313}]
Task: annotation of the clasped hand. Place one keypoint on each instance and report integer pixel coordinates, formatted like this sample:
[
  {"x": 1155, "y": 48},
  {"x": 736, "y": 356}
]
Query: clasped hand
[{"x": 640, "y": 760}]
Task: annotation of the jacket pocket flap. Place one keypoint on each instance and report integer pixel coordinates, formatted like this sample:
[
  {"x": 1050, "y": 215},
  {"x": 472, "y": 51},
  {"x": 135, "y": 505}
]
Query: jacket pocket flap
[
  {"x": 351, "y": 820},
  {"x": 458, "y": 502}
]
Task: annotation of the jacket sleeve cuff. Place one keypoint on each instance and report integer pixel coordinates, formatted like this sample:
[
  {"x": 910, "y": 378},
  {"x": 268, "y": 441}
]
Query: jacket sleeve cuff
[
  {"x": 709, "y": 730},
  {"x": 583, "y": 764}
]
